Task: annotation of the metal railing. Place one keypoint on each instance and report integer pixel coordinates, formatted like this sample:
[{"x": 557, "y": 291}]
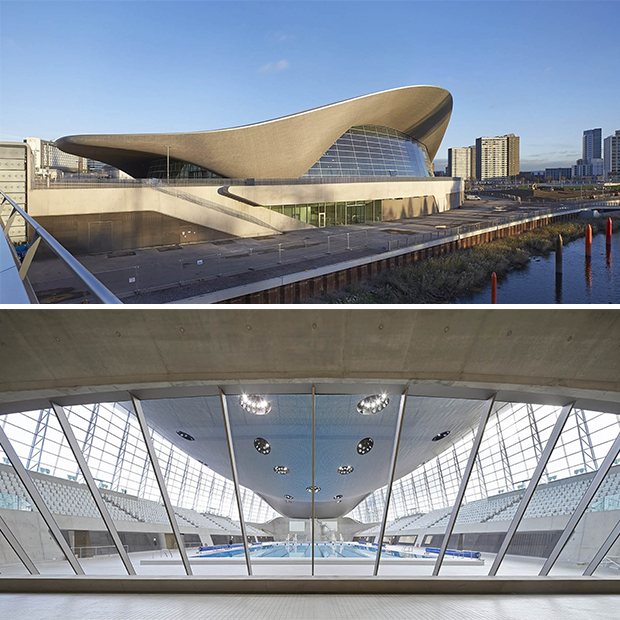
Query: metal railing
[
  {"x": 94, "y": 286},
  {"x": 95, "y": 552},
  {"x": 89, "y": 181},
  {"x": 218, "y": 263}
]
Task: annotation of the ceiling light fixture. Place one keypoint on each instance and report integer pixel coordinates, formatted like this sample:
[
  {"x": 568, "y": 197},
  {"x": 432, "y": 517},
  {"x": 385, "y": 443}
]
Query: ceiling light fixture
[
  {"x": 440, "y": 436},
  {"x": 185, "y": 435},
  {"x": 343, "y": 470},
  {"x": 313, "y": 489},
  {"x": 365, "y": 446},
  {"x": 281, "y": 469},
  {"x": 338, "y": 497},
  {"x": 262, "y": 445},
  {"x": 288, "y": 497},
  {"x": 255, "y": 404},
  {"x": 373, "y": 404}
]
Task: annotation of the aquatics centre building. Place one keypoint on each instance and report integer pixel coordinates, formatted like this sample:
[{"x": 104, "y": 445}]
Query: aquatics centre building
[
  {"x": 361, "y": 160},
  {"x": 302, "y": 451}
]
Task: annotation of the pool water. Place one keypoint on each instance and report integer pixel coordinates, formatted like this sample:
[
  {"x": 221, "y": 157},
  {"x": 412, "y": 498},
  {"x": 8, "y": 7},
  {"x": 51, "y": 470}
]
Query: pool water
[{"x": 301, "y": 550}]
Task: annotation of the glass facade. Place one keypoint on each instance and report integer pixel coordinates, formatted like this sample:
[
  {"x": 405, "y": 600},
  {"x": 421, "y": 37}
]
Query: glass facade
[
  {"x": 506, "y": 460},
  {"x": 179, "y": 169},
  {"x": 368, "y": 150},
  {"x": 310, "y": 455},
  {"x": 333, "y": 213}
]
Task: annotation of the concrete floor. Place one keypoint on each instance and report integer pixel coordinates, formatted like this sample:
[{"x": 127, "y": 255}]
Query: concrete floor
[
  {"x": 201, "y": 268},
  {"x": 111, "y": 565},
  {"x": 306, "y": 607}
]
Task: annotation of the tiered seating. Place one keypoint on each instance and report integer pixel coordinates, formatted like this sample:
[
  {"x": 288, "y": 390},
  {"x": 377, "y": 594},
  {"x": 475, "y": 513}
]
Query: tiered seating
[
  {"x": 144, "y": 510},
  {"x": 431, "y": 518},
  {"x": 60, "y": 497},
  {"x": 70, "y": 498},
  {"x": 484, "y": 510},
  {"x": 561, "y": 498},
  {"x": 195, "y": 518}
]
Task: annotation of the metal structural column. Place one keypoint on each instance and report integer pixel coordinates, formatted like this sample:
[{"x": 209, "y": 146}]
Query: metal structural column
[
  {"x": 582, "y": 506},
  {"x": 585, "y": 442},
  {"x": 150, "y": 448},
  {"x": 38, "y": 501},
  {"x": 120, "y": 458},
  {"x": 386, "y": 505},
  {"x": 603, "y": 551},
  {"x": 466, "y": 475},
  {"x": 504, "y": 456},
  {"x": 5, "y": 530},
  {"x": 531, "y": 488},
  {"x": 38, "y": 439},
  {"x": 312, "y": 513},
  {"x": 92, "y": 487},
  {"x": 233, "y": 469}
]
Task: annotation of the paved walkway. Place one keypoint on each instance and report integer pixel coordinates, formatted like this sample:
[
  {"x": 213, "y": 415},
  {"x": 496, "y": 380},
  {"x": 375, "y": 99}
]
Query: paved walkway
[
  {"x": 162, "y": 275},
  {"x": 306, "y": 607}
]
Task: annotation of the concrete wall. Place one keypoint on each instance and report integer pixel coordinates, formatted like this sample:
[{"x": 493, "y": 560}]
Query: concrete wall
[
  {"x": 111, "y": 232},
  {"x": 32, "y": 533},
  {"x": 402, "y": 208},
  {"x": 279, "y": 528},
  {"x": 586, "y": 540},
  {"x": 440, "y": 189},
  {"x": 105, "y": 200}
]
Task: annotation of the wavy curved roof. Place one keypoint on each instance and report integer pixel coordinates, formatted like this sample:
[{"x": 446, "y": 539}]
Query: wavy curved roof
[{"x": 284, "y": 147}]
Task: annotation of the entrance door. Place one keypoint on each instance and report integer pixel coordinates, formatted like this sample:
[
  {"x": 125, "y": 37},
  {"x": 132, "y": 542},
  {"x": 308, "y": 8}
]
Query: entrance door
[{"x": 322, "y": 220}]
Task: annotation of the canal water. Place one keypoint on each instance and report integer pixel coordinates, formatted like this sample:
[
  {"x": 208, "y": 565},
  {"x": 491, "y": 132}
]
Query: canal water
[{"x": 595, "y": 281}]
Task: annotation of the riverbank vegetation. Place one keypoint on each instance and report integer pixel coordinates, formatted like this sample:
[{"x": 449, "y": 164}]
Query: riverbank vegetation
[{"x": 444, "y": 278}]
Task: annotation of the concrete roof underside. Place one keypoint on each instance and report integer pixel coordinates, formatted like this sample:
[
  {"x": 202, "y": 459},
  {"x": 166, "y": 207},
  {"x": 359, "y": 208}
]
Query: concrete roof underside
[
  {"x": 284, "y": 147},
  {"x": 540, "y": 356}
]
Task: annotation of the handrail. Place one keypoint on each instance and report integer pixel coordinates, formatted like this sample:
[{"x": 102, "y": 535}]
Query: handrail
[{"x": 94, "y": 286}]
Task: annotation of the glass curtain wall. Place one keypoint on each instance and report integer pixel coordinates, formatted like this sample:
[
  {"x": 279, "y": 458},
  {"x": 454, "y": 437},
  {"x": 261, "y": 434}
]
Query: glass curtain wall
[
  {"x": 198, "y": 425},
  {"x": 272, "y": 438},
  {"x": 369, "y": 150},
  {"x": 354, "y": 442},
  {"x": 274, "y": 459}
]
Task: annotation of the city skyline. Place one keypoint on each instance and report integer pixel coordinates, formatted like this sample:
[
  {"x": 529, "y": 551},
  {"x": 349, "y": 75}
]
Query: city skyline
[{"x": 114, "y": 67}]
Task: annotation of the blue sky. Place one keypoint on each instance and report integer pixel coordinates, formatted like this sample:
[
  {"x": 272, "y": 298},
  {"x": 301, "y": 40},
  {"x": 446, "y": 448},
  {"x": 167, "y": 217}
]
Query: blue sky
[{"x": 542, "y": 70}]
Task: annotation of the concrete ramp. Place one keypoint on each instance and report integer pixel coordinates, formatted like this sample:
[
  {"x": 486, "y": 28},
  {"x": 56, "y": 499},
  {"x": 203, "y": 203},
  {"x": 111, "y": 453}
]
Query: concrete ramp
[{"x": 208, "y": 207}]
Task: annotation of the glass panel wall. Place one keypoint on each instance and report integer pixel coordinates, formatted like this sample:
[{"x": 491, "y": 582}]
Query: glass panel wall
[
  {"x": 368, "y": 150},
  {"x": 336, "y": 214},
  {"x": 354, "y": 441},
  {"x": 275, "y": 479},
  {"x": 189, "y": 433},
  {"x": 272, "y": 438}
]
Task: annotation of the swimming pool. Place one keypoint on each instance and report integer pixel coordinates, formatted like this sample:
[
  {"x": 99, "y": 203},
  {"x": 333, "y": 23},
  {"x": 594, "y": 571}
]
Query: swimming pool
[{"x": 300, "y": 550}]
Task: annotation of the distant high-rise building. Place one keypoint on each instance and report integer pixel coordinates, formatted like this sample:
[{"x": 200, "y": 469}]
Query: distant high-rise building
[
  {"x": 558, "y": 174},
  {"x": 47, "y": 156},
  {"x": 585, "y": 169},
  {"x": 592, "y": 144},
  {"x": 611, "y": 158},
  {"x": 513, "y": 155},
  {"x": 497, "y": 157},
  {"x": 462, "y": 162}
]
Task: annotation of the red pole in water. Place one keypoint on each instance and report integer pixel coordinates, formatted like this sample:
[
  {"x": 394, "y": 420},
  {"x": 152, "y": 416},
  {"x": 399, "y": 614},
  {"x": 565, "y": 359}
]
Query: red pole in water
[
  {"x": 493, "y": 288},
  {"x": 588, "y": 240},
  {"x": 609, "y": 231}
]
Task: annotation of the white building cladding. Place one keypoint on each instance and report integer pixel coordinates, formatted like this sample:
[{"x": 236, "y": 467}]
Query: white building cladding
[
  {"x": 612, "y": 157},
  {"x": 462, "y": 162}
]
